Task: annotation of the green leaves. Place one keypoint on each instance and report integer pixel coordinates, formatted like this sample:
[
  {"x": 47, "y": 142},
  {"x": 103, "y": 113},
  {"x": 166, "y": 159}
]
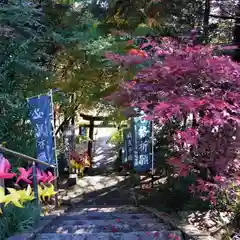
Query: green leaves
[
  {"x": 18, "y": 219},
  {"x": 50, "y": 45},
  {"x": 22, "y": 71}
]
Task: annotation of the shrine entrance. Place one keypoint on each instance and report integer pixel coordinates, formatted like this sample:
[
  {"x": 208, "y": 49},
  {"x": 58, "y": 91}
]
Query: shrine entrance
[{"x": 96, "y": 131}]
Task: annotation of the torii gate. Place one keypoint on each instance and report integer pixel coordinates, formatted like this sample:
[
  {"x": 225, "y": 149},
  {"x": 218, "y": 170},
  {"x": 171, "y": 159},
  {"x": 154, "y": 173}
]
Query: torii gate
[{"x": 91, "y": 126}]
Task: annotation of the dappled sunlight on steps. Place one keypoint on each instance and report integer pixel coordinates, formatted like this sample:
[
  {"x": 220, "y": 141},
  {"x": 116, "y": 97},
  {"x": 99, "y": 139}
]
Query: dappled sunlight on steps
[{"x": 107, "y": 223}]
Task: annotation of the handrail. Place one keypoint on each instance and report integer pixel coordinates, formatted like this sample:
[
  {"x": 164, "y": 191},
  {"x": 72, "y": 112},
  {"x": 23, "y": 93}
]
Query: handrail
[
  {"x": 34, "y": 161},
  {"x": 21, "y": 155}
]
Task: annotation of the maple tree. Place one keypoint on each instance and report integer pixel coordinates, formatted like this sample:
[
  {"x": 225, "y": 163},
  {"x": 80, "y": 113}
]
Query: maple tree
[{"x": 186, "y": 83}]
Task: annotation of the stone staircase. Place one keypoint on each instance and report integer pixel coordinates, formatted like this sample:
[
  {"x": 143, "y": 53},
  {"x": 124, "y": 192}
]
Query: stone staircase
[{"x": 107, "y": 223}]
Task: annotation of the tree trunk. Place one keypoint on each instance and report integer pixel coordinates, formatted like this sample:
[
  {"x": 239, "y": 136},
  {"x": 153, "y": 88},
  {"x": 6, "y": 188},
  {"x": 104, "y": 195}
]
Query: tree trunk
[
  {"x": 67, "y": 119},
  {"x": 90, "y": 142},
  {"x": 207, "y": 8},
  {"x": 73, "y": 124}
]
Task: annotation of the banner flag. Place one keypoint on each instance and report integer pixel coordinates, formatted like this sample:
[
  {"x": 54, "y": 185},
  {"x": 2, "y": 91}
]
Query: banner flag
[
  {"x": 41, "y": 116},
  {"x": 83, "y": 131},
  {"x": 128, "y": 145},
  {"x": 142, "y": 140}
]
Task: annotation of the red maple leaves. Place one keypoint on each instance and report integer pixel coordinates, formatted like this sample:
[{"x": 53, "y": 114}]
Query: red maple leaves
[
  {"x": 189, "y": 81},
  {"x": 181, "y": 168}
]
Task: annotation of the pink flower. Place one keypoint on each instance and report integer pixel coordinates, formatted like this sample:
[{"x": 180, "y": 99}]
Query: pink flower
[
  {"x": 219, "y": 179},
  {"x": 5, "y": 168},
  {"x": 24, "y": 175},
  {"x": 50, "y": 177},
  {"x": 41, "y": 176}
]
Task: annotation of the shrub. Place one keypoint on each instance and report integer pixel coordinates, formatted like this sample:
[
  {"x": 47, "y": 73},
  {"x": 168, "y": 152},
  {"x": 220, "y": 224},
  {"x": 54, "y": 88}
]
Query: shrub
[
  {"x": 82, "y": 139},
  {"x": 15, "y": 220}
]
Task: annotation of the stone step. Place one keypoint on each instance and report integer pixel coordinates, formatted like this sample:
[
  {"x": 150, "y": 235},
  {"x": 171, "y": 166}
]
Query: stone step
[
  {"x": 146, "y": 235},
  {"x": 119, "y": 209},
  {"x": 107, "y": 215},
  {"x": 77, "y": 227},
  {"x": 91, "y": 201},
  {"x": 64, "y": 221}
]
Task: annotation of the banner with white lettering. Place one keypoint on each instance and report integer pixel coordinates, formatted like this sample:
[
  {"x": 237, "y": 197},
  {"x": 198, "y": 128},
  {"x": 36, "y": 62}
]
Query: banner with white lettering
[
  {"x": 41, "y": 118},
  {"x": 142, "y": 131},
  {"x": 128, "y": 145}
]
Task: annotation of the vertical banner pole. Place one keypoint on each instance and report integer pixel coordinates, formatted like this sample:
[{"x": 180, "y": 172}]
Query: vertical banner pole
[
  {"x": 54, "y": 135},
  {"x": 56, "y": 173},
  {"x": 41, "y": 117},
  {"x": 35, "y": 186},
  {"x": 152, "y": 138}
]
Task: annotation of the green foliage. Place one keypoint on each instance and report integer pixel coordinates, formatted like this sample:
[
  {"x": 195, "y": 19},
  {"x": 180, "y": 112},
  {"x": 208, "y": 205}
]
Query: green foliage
[
  {"x": 117, "y": 138},
  {"x": 234, "y": 224},
  {"x": 221, "y": 32},
  {"x": 16, "y": 220},
  {"x": 22, "y": 47},
  {"x": 163, "y": 147},
  {"x": 50, "y": 46},
  {"x": 46, "y": 45},
  {"x": 144, "y": 30},
  {"x": 80, "y": 67},
  {"x": 174, "y": 189},
  {"x": 82, "y": 139},
  {"x": 175, "y": 16}
]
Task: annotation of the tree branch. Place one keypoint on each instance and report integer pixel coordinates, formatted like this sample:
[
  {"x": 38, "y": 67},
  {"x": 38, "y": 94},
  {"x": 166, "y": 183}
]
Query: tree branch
[{"x": 66, "y": 119}]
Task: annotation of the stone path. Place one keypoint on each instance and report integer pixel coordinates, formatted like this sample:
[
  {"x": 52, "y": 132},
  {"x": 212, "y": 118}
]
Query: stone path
[
  {"x": 92, "y": 218},
  {"x": 107, "y": 223},
  {"x": 104, "y": 152},
  {"x": 99, "y": 190}
]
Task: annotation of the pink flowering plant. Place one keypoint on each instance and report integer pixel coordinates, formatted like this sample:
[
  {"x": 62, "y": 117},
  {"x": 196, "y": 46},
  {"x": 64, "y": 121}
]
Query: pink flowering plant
[
  {"x": 223, "y": 192},
  {"x": 191, "y": 85},
  {"x": 19, "y": 196}
]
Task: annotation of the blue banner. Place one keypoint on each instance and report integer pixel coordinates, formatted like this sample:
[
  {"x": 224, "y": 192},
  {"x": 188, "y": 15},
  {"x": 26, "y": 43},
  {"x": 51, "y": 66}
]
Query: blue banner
[
  {"x": 41, "y": 116},
  {"x": 128, "y": 145},
  {"x": 142, "y": 131},
  {"x": 83, "y": 131}
]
